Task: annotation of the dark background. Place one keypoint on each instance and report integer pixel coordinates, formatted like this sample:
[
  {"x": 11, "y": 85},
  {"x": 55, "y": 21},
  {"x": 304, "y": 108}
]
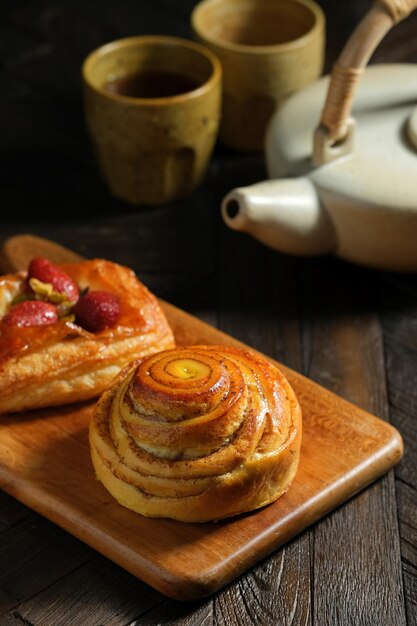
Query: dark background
[{"x": 352, "y": 329}]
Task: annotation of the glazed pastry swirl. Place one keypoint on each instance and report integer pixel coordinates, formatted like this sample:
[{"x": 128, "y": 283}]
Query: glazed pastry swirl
[{"x": 197, "y": 433}]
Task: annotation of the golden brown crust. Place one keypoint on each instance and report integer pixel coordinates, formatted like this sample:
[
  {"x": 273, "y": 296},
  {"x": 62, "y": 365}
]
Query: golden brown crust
[
  {"x": 61, "y": 363},
  {"x": 197, "y": 434}
]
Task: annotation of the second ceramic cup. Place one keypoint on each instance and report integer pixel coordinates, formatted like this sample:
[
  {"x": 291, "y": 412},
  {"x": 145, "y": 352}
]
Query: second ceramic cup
[
  {"x": 268, "y": 50},
  {"x": 152, "y": 106}
]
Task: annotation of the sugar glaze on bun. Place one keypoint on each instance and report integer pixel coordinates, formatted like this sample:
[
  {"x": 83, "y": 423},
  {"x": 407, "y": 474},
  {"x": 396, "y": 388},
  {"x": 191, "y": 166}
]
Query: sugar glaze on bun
[{"x": 197, "y": 434}]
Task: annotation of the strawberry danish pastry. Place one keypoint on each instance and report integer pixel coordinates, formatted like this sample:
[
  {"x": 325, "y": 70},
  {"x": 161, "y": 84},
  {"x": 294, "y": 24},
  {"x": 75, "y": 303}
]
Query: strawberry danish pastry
[{"x": 67, "y": 330}]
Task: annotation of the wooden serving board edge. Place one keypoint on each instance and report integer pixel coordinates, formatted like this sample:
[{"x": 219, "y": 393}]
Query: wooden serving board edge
[{"x": 189, "y": 588}]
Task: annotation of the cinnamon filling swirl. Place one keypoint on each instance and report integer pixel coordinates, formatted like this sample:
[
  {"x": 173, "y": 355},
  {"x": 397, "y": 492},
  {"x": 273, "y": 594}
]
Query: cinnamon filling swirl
[{"x": 197, "y": 434}]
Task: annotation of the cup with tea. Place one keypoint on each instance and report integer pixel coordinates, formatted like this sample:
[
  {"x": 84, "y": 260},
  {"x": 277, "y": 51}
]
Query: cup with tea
[
  {"x": 268, "y": 51},
  {"x": 152, "y": 107}
]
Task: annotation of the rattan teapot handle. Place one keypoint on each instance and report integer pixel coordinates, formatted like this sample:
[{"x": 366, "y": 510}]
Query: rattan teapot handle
[{"x": 334, "y": 135}]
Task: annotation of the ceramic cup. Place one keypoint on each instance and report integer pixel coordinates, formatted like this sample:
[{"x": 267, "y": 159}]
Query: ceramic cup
[
  {"x": 152, "y": 107},
  {"x": 268, "y": 50}
]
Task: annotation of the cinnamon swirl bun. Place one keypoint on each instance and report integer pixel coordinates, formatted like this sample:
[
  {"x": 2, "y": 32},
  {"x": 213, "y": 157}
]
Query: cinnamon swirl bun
[{"x": 196, "y": 434}]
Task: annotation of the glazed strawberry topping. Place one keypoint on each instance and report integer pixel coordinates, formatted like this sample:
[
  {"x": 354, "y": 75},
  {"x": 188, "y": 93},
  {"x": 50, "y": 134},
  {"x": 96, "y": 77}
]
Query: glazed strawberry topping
[
  {"x": 50, "y": 296},
  {"x": 97, "y": 310},
  {"x": 31, "y": 313},
  {"x": 42, "y": 269}
]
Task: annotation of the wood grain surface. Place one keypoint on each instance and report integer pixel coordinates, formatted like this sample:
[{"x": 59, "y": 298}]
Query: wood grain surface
[
  {"x": 45, "y": 463},
  {"x": 350, "y": 329}
]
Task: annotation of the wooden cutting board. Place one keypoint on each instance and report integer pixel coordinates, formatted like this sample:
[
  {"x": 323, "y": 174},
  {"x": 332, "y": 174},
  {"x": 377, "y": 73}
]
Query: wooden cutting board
[{"x": 45, "y": 463}]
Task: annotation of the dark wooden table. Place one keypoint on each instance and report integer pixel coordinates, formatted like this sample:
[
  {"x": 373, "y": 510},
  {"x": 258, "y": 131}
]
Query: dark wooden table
[{"x": 351, "y": 329}]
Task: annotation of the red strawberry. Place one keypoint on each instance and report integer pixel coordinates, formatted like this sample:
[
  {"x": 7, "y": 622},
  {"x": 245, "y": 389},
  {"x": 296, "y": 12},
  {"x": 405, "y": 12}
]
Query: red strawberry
[
  {"x": 48, "y": 272},
  {"x": 97, "y": 310},
  {"x": 31, "y": 313}
]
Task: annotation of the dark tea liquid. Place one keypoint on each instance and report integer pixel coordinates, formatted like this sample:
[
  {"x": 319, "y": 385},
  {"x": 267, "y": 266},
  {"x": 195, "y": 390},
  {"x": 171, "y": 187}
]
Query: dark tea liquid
[{"x": 151, "y": 85}]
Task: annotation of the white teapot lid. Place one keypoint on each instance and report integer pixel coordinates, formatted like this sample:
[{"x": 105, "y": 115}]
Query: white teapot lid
[{"x": 382, "y": 167}]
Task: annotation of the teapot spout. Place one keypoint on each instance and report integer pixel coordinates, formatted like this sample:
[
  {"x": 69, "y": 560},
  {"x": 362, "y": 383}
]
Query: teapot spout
[{"x": 285, "y": 214}]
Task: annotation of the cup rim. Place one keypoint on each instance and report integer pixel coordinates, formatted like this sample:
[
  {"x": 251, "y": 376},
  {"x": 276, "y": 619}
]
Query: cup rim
[
  {"x": 212, "y": 80},
  {"x": 319, "y": 23}
]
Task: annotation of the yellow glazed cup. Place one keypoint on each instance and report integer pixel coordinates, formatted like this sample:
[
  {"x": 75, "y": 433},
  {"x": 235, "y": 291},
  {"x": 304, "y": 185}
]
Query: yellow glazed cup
[
  {"x": 268, "y": 50},
  {"x": 152, "y": 150}
]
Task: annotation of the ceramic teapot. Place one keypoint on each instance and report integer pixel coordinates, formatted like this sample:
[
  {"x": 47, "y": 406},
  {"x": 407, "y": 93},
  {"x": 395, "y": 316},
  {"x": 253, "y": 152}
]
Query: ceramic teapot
[{"x": 350, "y": 187}]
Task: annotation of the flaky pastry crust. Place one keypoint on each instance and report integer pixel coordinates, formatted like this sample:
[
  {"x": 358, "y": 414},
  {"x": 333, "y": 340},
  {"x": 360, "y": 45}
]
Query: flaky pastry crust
[
  {"x": 60, "y": 363},
  {"x": 197, "y": 434}
]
